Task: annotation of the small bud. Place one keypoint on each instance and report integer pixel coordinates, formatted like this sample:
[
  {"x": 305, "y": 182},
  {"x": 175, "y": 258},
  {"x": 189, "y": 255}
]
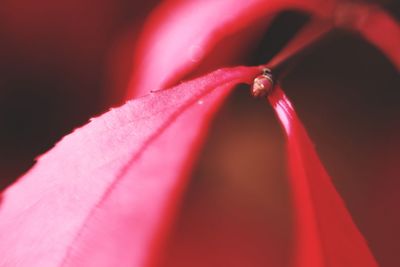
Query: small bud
[{"x": 262, "y": 84}]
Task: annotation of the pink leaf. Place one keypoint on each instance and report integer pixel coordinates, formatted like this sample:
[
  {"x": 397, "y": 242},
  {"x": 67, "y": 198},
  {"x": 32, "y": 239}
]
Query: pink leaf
[
  {"x": 326, "y": 234},
  {"x": 180, "y": 34},
  {"x": 105, "y": 194},
  {"x": 190, "y": 30}
]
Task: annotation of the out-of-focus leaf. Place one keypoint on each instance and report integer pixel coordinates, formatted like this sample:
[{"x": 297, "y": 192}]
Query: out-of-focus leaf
[
  {"x": 374, "y": 24},
  {"x": 326, "y": 234},
  {"x": 180, "y": 34},
  {"x": 190, "y": 30},
  {"x": 104, "y": 195}
]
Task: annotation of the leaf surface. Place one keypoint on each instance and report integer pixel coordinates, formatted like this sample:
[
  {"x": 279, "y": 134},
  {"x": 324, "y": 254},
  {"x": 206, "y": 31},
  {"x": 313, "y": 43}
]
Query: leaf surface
[
  {"x": 105, "y": 194},
  {"x": 326, "y": 233},
  {"x": 189, "y": 30}
]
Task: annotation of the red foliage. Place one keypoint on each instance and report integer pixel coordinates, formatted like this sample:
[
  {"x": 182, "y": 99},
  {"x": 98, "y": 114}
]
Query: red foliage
[
  {"x": 113, "y": 184},
  {"x": 326, "y": 234},
  {"x": 107, "y": 194}
]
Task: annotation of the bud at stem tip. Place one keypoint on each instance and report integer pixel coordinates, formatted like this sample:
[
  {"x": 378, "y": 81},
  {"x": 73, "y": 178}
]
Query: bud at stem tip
[{"x": 263, "y": 84}]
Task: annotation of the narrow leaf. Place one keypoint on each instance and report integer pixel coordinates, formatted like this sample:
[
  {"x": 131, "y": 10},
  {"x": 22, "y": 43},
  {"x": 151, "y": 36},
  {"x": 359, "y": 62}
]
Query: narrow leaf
[
  {"x": 189, "y": 30},
  {"x": 105, "y": 194},
  {"x": 307, "y": 37},
  {"x": 326, "y": 234},
  {"x": 196, "y": 27}
]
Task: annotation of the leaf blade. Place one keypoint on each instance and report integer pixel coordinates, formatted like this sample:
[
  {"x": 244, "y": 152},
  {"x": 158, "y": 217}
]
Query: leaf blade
[
  {"x": 49, "y": 213},
  {"x": 185, "y": 22},
  {"x": 326, "y": 233}
]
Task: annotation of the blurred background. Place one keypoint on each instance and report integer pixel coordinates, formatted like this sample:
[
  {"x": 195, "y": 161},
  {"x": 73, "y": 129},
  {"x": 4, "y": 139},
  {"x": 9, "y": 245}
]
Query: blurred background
[{"x": 62, "y": 62}]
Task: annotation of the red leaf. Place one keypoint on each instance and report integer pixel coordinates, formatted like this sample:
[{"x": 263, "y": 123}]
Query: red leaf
[
  {"x": 374, "y": 24},
  {"x": 105, "y": 194},
  {"x": 326, "y": 234},
  {"x": 180, "y": 34},
  {"x": 190, "y": 30}
]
